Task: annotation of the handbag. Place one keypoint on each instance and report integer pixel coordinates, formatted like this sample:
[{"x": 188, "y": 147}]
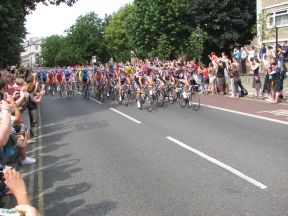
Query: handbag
[{"x": 31, "y": 105}]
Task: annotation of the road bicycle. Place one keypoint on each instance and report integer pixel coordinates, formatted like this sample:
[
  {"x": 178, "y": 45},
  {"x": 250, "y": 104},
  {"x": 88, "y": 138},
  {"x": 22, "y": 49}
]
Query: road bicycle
[
  {"x": 190, "y": 98},
  {"x": 86, "y": 91}
]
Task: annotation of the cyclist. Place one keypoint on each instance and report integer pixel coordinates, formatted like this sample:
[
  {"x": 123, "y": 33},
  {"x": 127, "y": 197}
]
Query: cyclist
[
  {"x": 85, "y": 77},
  {"x": 59, "y": 79},
  {"x": 51, "y": 80}
]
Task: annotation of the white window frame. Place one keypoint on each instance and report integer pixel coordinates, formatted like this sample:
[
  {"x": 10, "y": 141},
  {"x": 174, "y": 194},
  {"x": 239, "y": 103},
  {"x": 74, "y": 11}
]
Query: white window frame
[{"x": 274, "y": 14}]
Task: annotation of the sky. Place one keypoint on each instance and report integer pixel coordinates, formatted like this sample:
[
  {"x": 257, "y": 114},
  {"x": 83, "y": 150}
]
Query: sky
[{"x": 48, "y": 20}]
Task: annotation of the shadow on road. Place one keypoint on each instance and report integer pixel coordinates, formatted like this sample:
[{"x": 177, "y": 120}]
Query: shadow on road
[{"x": 99, "y": 209}]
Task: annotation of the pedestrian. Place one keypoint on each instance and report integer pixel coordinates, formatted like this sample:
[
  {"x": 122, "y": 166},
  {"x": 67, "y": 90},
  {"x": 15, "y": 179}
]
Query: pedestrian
[
  {"x": 251, "y": 56},
  {"x": 212, "y": 70},
  {"x": 256, "y": 84},
  {"x": 237, "y": 54},
  {"x": 234, "y": 72},
  {"x": 220, "y": 78},
  {"x": 274, "y": 77},
  {"x": 243, "y": 60},
  {"x": 262, "y": 52}
]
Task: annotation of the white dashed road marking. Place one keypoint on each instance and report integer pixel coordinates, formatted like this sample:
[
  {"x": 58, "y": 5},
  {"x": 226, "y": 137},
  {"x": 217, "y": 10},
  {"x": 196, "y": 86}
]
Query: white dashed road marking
[{"x": 218, "y": 163}]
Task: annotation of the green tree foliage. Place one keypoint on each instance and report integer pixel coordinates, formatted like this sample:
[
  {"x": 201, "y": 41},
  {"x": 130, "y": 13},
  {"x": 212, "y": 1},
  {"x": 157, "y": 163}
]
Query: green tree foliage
[
  {"x": 156, "y": 25},
  {"x": 12, "y": 30},
  {"x": 50, "y": 49},
  {"x": 264, "y": 33},
  {"x": 117, "y": 33},
  {"x": 29, "y": 5},
  {"x": 196, "y": 41},
  {"x": 87, "y": 37},
  {"x": 84, "y": 39},
  {"x": 227, "y": 22}
]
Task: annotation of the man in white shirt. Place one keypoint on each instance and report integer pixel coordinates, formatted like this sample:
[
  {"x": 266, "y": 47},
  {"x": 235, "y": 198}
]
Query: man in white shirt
[{"x": 243, "y": 60}]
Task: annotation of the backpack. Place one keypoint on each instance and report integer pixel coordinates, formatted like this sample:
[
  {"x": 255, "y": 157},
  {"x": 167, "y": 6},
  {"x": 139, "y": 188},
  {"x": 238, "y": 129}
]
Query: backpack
[{"x": 31, "y": 105}]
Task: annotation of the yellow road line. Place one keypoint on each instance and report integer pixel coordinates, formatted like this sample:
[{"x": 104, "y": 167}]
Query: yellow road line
[{"x": 40, "y": 170}]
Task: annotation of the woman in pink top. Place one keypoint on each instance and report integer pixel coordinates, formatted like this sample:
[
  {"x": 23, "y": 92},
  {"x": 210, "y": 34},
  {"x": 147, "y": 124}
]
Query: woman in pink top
[{"x": 213, "y": 57}]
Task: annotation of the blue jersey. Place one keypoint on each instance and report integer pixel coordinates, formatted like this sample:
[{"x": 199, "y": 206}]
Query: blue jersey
[
  {"x": 44, "y": 74},
  {"x": 67, "y": 74},
  {"x": 85, "y": 74}
]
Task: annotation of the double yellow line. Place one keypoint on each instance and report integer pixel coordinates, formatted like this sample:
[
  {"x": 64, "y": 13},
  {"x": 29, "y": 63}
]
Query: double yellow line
[{"x": 38, "y": 193}]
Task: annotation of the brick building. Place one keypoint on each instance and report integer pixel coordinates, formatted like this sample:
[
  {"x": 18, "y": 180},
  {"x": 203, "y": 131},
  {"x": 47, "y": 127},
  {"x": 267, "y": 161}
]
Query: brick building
[{"x": 278, "y": 17}]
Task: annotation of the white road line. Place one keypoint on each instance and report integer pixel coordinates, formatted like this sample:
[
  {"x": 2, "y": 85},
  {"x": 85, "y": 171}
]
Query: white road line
[
  {"x": 218, "y": 163},
  {"x": 126, "y": 116},
  {"x": 99, "y": 102},
  {"x": 246, "y": 114}
]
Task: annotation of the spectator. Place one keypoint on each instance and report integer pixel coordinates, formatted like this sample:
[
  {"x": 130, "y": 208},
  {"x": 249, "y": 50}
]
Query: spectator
[
  {"x": 212, "y": 70},
  {"x": 256, "y": 77},
  {"x": 285, "y": 55},
  {"x": 234, "y": 72},
  {"x": 237, "y": 54},
  {"x": 205, "y": 79},
  {"x": 5, "y": 122},
  {"x": 243, "y": 60},
  {"x": 262, "y": 52},
  {"x": 221, "y": 78},
  {"x": 16, "y": 184},
  {"x": 213, "y": 57},
  {"x": 274, "y": 82}
]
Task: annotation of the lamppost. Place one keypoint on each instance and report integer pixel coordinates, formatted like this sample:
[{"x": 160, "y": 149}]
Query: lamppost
[{"x": 276, "y": 29}]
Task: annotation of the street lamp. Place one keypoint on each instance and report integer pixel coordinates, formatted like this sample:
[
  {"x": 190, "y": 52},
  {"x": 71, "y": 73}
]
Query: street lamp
[{"x": 276, "y": 28}]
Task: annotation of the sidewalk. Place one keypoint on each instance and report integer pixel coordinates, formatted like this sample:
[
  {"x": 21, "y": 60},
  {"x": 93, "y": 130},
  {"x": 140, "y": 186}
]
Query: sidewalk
[
  {"x": 247, "y": 81},
  {"x": 248, "y": 107}
]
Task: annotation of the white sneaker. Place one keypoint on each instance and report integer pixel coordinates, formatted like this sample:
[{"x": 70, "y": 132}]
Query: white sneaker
[
  {"x": 120, "y": 98},
  {"x": 138, "y": 104},
  {"x": 28, "y": 160},
  {"x": 107, "y": 94}
]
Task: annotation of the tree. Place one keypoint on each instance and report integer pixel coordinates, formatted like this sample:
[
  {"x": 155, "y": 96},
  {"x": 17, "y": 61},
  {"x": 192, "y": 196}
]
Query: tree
[
  {"x": 227, "y": 23},
  {"x": 50, "y": 49},
  {"x": 12, "y": 30},
  {"x": 117, "y": 34},
  {"x": 264, "y": 33},
  {"x": 87, "y": 38},
  {"x": 28, "y": 5},
  {"x": 196, "y": 41},
  {"x": 156, "y": 25}
]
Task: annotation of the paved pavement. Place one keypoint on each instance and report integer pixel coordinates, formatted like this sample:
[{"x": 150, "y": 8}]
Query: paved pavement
[{"x": 107, "y": 159}]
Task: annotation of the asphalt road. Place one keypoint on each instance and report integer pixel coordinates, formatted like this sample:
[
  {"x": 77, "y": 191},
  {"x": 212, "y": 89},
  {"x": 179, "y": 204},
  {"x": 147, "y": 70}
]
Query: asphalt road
[{"x": 173, "y": 161}]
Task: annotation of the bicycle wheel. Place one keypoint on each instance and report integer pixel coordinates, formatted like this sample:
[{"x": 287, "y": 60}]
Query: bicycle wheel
[
  {"x": 60, "y": 92},
  {"x": 148, "y": 103},
  {"x": 182, "y": 100},
  {"x": 88, "y": 94},
  {"x": 113, "y": 94},
  {"x": 194, "y": 101},
  {"x": 126, "y": 98},
  {"x": 172, "y": 96},
  {"x": 160, "y": 98}
]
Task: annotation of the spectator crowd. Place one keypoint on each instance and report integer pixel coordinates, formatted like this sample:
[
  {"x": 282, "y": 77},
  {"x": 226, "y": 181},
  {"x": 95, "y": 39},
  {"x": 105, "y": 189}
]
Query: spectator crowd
[{"x": 20, "y": 95}]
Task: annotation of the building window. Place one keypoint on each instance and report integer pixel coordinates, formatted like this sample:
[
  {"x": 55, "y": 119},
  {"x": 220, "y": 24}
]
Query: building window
[
  {"x": 36, "y": 47},
  {"x": 278, "y": 18}
]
